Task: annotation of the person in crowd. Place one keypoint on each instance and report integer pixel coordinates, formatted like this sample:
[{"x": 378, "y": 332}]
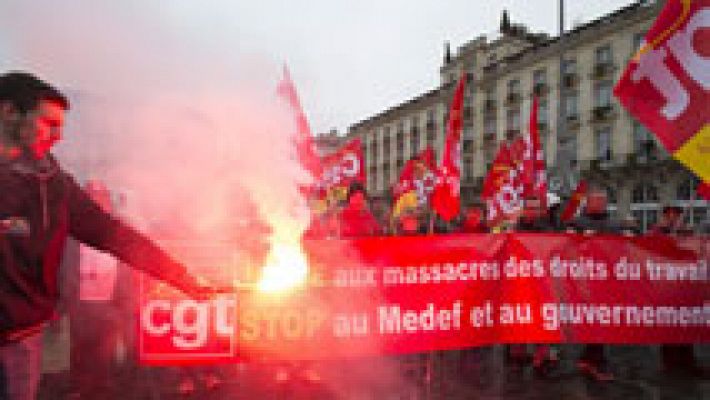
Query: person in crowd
[
  {"x": 629, "y": 227},
  {"x": 534, "y": 218},
  {"x": 473, "y": 220},
  {"x": 356, "y": 220},
  {"x": 595, "y": 220},
  {"x": 40, "y": 206},
  {"x": 676, "y": 358},
  {"x": 408, "y": 222},
  {"x": 671, "y": 222}
]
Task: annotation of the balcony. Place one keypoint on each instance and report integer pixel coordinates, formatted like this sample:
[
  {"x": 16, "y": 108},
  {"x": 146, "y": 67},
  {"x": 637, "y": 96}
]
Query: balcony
[
  {"x": 600, "y": 164},
  {"x": 468, "y": 115},
  {"x": 511, "y": 134},
  {"x": 570, "y": 80},
  {"x": 489, "y": 136},
  {"x": 602, "y": 113},
  {"x": 602, "y": 71},
  {"x": 541, "y": 89},
  {"x": 489, "y": 106},
  {"x": 513, "y": 99},
  {"x": 572, "y": 121}
]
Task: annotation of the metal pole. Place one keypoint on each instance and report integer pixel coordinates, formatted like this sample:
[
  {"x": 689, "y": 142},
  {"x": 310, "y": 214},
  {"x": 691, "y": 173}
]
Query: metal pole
[{"x": 562, "y": 160}]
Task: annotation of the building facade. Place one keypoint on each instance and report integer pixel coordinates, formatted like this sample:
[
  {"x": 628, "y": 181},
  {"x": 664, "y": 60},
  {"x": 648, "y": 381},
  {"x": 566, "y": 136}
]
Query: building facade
[{"x": 586, "y": 133}]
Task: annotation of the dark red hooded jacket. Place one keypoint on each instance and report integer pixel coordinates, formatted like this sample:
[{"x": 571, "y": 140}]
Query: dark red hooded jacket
[{"x": 38, "y": 210}]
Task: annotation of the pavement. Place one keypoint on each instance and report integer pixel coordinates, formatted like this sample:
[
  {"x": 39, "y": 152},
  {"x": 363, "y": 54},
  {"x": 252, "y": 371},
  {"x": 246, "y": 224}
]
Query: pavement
[{"x": 472, "y": 374}]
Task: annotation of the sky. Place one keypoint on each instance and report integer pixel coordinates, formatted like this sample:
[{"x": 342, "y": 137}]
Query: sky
[
  {"x": 175, "y": 100},
  {"x": 349, "y": 59}
]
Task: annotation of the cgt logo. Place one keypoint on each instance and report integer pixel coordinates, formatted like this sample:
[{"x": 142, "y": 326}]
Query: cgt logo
[{"x": 182, "y": 326}]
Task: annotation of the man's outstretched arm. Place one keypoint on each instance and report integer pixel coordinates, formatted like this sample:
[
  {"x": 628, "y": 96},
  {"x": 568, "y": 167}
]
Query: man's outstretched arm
[{"x": 89, "y": 224}]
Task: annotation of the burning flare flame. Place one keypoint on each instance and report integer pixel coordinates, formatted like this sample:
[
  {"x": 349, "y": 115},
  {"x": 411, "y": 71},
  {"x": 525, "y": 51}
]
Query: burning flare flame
[{"x": 286, "y": 267}]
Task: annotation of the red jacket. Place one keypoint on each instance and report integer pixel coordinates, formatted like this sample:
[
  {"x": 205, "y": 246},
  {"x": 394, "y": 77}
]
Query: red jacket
[{"x": 356, "y": 223}]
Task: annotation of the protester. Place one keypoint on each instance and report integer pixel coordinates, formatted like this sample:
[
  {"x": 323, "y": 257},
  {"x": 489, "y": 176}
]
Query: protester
[
  {"x": 42, "y": 205},
  {"x": 595, "y": 220},
  {"x": 671, "y": 221},
  {"x": 629, "y": 227},
  {"x": 473, "y": 220},
  {"x": 356, "y": 220},
  {"x": 676, "y": 358}
]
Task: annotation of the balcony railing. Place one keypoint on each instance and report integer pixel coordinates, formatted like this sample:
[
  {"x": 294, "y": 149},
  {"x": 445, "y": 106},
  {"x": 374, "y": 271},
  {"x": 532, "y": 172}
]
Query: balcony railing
[
  {"x": 513, "y": 99},
  {"x": 602, "y": 70},
  {"x": 570, "y": 80},
  {"x": 602, "y": 113},
  {"x": 540, "y": 89},
  {"x": 511, "y": 133},
  {"x": 489, "y": 106}
]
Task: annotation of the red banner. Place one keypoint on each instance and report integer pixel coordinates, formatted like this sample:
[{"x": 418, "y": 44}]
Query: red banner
[{"x": 388, "y": 295}]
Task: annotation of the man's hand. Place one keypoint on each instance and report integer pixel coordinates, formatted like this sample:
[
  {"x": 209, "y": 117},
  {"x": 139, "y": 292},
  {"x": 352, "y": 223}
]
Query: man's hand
[{"x": 200, "y": 289}]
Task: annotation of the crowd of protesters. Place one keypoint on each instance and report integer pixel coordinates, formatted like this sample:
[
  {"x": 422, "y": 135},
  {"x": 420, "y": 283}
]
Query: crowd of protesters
[{"x": 352, "y": 218}]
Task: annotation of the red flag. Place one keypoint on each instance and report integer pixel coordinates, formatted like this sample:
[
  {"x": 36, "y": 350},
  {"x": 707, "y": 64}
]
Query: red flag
[
  {"x": 666, "y": 86},
  {"x": 575, "y": 202},
  {"x": 533, "y": 176},
  {"x": 420, "y": 181},
  {"x": 446, "y": 200},
  {"x": 502, "y": 188},
  {"x": 303, "y": 139},
  {"x": 704, "y": 190},
  {"x": 342, "y": 168}
]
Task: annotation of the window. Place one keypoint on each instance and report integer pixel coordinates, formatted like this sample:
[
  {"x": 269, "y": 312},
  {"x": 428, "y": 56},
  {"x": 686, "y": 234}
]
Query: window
[
  {"x": 571, "y": 103},
  {"x": 645, "y": 207},
  {"x": 638, "y": 41},
  {"x": 612, "y": 198},
  {"x": 569, "y": 67},
  {"x": 542, "y": 111},
  {"x": 414, "y": 142},
  {"x": 430, "y": 120},
  {"x": 567, "y": 152},
  {"x": 400, "y": 139},
  {"x": 491, "y": 94},
  {"x": 373, "y": 151},
  {"x": 490, "y": 126},
  {"x": 514, "y": 86},
  {"x": 602, "y": 94},
  {"x": 386, "y": 144},
  {"x": 603, "y": 143},
  {"x": 539, "y": 77},
  {"x": 644, "y": 144},
  {"x": 603, "y": 55},
  {"x": 644, "y": 193},
  {"x": 513, "y": 119},
  {"x": 513, "y": 91},
  {"x": 687, "y": 188},
  {"x": 467, "y": 168},
  {"x": 468, "y": 146}
]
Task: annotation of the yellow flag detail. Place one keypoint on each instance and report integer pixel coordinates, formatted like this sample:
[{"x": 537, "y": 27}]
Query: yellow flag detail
[{"x": 695, "y": 153}]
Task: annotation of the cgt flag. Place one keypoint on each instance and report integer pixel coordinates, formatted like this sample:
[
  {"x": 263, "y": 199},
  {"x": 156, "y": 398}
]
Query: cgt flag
[
  {"x": 342, "y": 168},
  {"x": 446, "y": 199},
  {"x": 533, "y": 174},
  {"x": 665, "y": 86},
  {"x": 502, "y": 189},
  {"x": 416, "y": 182},
  {"x": 575, "y": 202}
]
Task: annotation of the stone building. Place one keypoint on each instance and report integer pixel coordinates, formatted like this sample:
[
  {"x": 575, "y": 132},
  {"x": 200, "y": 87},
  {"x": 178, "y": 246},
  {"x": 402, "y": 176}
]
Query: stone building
[{"x": 592, "y": 137}]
